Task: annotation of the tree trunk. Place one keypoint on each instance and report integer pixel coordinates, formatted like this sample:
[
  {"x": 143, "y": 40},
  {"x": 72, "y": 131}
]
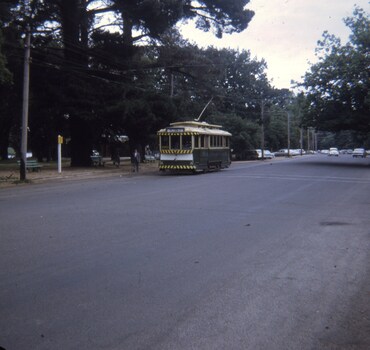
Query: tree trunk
[
  {"x": 128, "y": 41},
  {"x": 5, "y": 127},
  {"x": 3, "y": 147},
  {"x": 127, "y": 29},
  {"x": 81, "y": 142},
  {"x": 74, "y": 28}
]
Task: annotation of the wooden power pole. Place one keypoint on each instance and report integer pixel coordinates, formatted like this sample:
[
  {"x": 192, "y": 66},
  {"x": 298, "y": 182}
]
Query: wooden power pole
[{"x": 26, "y": 82}]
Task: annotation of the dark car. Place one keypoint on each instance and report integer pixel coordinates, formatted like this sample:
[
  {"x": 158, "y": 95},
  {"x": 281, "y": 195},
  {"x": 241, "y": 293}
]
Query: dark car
[
  {"x": 245, "y": 155},
  {"x": 359, "y": 153}
]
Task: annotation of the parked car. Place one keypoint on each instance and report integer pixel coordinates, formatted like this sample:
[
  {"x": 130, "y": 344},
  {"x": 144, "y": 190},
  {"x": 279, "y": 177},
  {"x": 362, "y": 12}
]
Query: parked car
[
  {"x": 346, "y": 151},
  {"x": 266, "y": 154},
  {"x": 157, "y": 155},
  {"x": 281, "y": 152},
  {"x": 284, "y": 152},
  {"x": 250, "y": 154},
  {"x": 359, "y": 153},
  {"x": 295, "y": 152},
  {"x": 333, "y": 151}
]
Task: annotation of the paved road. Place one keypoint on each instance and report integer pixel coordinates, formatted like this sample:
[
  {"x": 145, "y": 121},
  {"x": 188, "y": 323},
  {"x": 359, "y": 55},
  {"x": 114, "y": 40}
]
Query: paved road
[{"x": 264, "y": 255}]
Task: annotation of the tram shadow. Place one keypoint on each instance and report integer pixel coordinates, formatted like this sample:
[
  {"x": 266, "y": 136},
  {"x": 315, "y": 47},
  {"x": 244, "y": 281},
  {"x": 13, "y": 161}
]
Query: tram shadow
[
  {"x": 339, "y": 163},
  {"x": 189, "y": 172}
]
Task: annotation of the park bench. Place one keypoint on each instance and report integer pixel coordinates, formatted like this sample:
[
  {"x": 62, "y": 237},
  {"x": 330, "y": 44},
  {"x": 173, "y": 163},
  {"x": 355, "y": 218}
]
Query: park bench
[
  {"x": 31, "y": 165},
  {"x": 148, "y": 158},
  {"x": 97, "y": 160}
]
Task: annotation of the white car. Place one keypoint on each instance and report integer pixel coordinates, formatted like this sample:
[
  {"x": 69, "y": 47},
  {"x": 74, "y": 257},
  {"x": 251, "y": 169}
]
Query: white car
[
  {"x": 266, "y": 154},
  {"x": 359, "y": 152},
  {"x": 281, "y": 153},
  {"x": 295, "y": 152},
  {"x": 333, "y": 152}
]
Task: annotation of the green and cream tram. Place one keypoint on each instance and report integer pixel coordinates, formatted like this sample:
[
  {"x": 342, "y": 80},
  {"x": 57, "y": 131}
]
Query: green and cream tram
[{"x": 194, "y": 146}]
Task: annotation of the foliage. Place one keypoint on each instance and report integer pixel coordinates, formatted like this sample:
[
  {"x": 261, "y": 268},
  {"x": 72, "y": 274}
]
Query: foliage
[
  {"x": 152, "y": 17},
  {"x": 5, "y": 75},
  {"x": 338, "y": 85},
  {"x": 6, "y": 80},
  {"x": 244, "y": 131},
  {"x": 91, "y": 85},
  {"x": 10, "y": 90}
]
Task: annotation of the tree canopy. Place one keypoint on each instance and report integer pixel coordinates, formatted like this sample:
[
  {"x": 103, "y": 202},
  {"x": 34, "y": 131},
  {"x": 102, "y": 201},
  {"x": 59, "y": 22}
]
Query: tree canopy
[
  {"x": 88, "y": 81},
  {"x": 91, "y": 82},
  {"x": 338, "y": 86}
]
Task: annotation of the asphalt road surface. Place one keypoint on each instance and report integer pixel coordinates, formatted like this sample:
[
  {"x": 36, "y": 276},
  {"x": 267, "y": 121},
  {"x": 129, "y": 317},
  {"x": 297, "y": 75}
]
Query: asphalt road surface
[{"x": 263, "y": 255}]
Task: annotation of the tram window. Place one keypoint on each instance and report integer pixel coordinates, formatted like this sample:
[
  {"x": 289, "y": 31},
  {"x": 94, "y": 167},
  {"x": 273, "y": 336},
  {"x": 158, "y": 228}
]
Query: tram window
[
  {"x": 186, "y": 142},
  {"x": 196, "y": 141},
  {"x": 215, "y": 141},
  {"x": 206, "y": 141},
  {"x": 175, "y": 142},
  {"x": 165, "y": 142}
]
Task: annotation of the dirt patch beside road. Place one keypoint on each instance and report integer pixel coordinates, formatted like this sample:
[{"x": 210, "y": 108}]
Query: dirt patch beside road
[{"x": 9, "y": 173}]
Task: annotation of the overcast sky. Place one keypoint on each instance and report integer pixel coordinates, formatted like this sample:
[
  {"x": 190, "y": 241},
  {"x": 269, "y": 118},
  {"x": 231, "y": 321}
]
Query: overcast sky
[{"x": 285, "y": 33}]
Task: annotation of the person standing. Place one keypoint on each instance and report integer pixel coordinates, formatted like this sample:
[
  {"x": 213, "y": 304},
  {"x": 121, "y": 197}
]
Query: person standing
[
  {"x": 116, "y": 158},
  {"x": 136, "y": 161}
]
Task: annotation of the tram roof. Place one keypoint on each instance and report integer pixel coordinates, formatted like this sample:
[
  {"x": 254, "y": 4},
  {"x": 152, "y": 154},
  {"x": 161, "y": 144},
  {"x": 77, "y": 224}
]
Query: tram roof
[{"x": 194, "y": 127}]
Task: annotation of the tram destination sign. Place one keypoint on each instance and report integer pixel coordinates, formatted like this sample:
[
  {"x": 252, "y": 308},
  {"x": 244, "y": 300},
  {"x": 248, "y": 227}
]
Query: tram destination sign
[{"x": 175, "y": 129}]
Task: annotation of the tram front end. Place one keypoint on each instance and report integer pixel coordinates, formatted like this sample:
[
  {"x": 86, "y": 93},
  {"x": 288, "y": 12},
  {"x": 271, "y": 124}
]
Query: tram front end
[
  {"x": 177, "y": 160},
  {"x": 193, "y": 146}
]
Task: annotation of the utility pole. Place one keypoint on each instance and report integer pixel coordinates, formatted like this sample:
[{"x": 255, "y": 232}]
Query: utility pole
[
  {"x": 308, "y": 138},
  {"x": 262, "y": 102},
  {"x": 288, "y": 115},
  {"x": 26, "y": 82},
  {"x": 262, "y": 128},
  {"x": 300, "y": 131}
]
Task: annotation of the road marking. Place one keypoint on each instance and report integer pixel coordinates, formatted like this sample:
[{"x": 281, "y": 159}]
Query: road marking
[{"x": 303, "y": 177}]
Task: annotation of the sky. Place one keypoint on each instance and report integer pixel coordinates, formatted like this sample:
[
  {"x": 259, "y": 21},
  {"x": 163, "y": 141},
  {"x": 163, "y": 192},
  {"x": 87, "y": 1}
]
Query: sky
[{"x": 285, "y": 34}]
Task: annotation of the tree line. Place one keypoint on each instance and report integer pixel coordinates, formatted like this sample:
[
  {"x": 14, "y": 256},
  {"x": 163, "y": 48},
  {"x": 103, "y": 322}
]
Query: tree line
[
  {"x": 93, "y": 80},
  {"x": 337, "y": 87}
]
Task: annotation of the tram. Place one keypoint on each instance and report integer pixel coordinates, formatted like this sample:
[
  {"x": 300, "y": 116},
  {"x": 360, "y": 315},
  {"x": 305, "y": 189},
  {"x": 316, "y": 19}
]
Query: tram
[{"x": 193, "y": 146}]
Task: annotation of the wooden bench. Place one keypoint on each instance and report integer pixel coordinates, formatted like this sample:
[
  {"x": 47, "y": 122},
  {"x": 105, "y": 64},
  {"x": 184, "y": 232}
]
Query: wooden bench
[
  {"x": 97, "y": 160},
  {"x": 31, "y": 164},
  {"x": 148, "y": 158}
]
